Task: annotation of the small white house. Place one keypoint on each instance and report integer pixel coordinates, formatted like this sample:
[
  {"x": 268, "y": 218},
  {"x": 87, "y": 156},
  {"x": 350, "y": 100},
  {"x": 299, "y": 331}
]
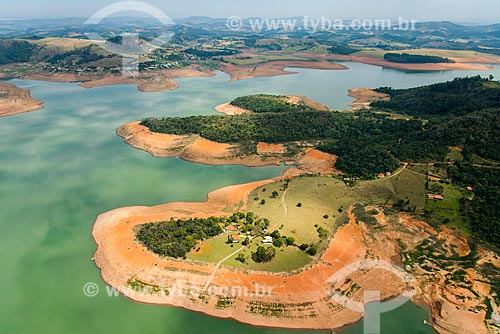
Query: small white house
[{"x": 267, "y": 240}]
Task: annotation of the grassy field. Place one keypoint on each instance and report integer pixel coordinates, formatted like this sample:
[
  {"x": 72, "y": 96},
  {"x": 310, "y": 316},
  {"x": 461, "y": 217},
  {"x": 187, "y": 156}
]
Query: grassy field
[
  {"x": 287, "y": 259},
  {"x": 306, "y": 205},
  {"x": 64, "y": 44},
  {"x": 483, "y": 161},
  {"x": 326, "y": 196},
  {"x": 213, "y": 250},
  {"x": 422, "y": 169},
  {"x": 318, "y": 196},
  {"x": 406, "y": 186},
  {"x": 447, "y": 211}
]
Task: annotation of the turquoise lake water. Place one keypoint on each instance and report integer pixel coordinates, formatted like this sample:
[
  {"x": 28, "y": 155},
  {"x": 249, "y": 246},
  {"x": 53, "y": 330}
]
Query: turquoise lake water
[{"x": 63, "y": 165}]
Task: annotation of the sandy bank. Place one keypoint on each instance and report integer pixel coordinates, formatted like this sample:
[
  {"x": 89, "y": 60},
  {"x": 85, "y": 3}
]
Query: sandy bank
[
  {"x": 365, "y": 96},
  {"x": 196, "y": 149},
  {"x": 302, "y": 295},
  {"x": 461, "y": 63},
  {"x": 275, "y": 68},
  {"x": 14, "y": 100},
  {"x": 476, "y": 60},
  {"x": 413, "y": 67}
]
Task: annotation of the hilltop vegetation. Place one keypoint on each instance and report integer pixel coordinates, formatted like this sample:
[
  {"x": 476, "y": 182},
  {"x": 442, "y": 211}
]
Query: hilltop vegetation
[
  {"x": 337, "y": 133},
  {"x": 454, "y": 98},
  {"x": 482, "y": 211},
  {"x": 464, "y": 112},
  {"x": 367, "y": 143},
  {"x": 77, "y": 56},
  {"x": 406, "y": 58},
  {"x": 342, "y": 49},
  {"x": 14, "y": 51},
  {"x": 177, "y": 237},
  {"x": 262, "y": 103}
]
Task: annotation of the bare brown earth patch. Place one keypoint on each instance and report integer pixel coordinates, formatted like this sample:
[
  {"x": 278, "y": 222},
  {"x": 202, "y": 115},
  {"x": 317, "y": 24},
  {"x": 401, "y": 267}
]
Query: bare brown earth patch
[
  {"x": 152, "y": 81},
  {"x": 263, "y": 148},
  {"x": 229, "y": 109},
  {"x": 194, "y": 148},
  {"x": 300, "y": 99},
  {"x": 14, "y": 100},
  {"x": 476, "y": 60},
  {"x": 365, "y": 96}
]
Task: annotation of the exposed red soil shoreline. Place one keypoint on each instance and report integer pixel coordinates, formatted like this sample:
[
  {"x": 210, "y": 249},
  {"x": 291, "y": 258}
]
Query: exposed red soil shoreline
[
  {"x": 365, "y": 96},
  {"x": 120, "y": 258},
  {"x": 14, "y": 100},
  {"x": 196, "y": 149}
]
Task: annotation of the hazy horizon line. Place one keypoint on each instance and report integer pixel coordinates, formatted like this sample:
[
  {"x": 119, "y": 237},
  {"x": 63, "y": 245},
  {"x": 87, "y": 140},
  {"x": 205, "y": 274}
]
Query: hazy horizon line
[{"x": 472, "y": 22}]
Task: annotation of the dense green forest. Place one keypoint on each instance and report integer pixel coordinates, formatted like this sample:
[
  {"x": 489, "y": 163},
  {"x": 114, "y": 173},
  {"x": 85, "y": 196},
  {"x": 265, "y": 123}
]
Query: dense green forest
[
  {"x": 407, "y": 58},
  {"x": 483, "y": 210},
  {"x": 12, "y": 51},
  {"x": 77, "y": 57},
  {"x": 263, "y": 254},
  {"x": 367, "y": 143},
  {"x": 454, "y": 98},
  {"x": 342, "y": 49},
  {"x": 178, "y": 237},
  {"x": 463, "y": 112},
  {"x": 204, "y": 54},
  {"x": 262, "y": 103}
]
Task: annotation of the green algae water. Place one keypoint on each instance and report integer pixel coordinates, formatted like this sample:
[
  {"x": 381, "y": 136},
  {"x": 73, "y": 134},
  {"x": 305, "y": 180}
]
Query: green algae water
[{"x": 63, "y": 165}]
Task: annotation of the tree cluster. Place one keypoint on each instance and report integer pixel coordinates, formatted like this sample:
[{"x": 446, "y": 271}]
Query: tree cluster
[
  {"x": 264, "y": 254},
  {"x": 407, "y": 58},
  {"x": 463, "y": 112},
  {"x": 176, "y": 238},
  {"x": 483, "y": 210},
  {"x": 13, "y": 51},
  {"x": 263, "y": 103}
]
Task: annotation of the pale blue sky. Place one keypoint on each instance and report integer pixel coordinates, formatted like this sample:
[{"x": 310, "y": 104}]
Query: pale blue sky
[{"x": 424, "y": 10}]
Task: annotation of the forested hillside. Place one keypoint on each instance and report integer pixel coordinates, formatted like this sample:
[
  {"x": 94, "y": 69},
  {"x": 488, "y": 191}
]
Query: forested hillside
[
  {"x": 12, "y": 51},
  {"x": 454, "y": 98},
  {"x": 483, "y": 210},
  {"x": 268, "y": 103},
  {"x": 367, "y": 143}
]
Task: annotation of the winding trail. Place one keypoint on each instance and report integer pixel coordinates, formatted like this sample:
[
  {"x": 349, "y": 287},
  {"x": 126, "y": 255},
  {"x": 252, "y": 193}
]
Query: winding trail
[
  {"x": 285, "y": 207},
  {"x": 211, "y": 278},
  {"x": 399, "y": 171}
]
